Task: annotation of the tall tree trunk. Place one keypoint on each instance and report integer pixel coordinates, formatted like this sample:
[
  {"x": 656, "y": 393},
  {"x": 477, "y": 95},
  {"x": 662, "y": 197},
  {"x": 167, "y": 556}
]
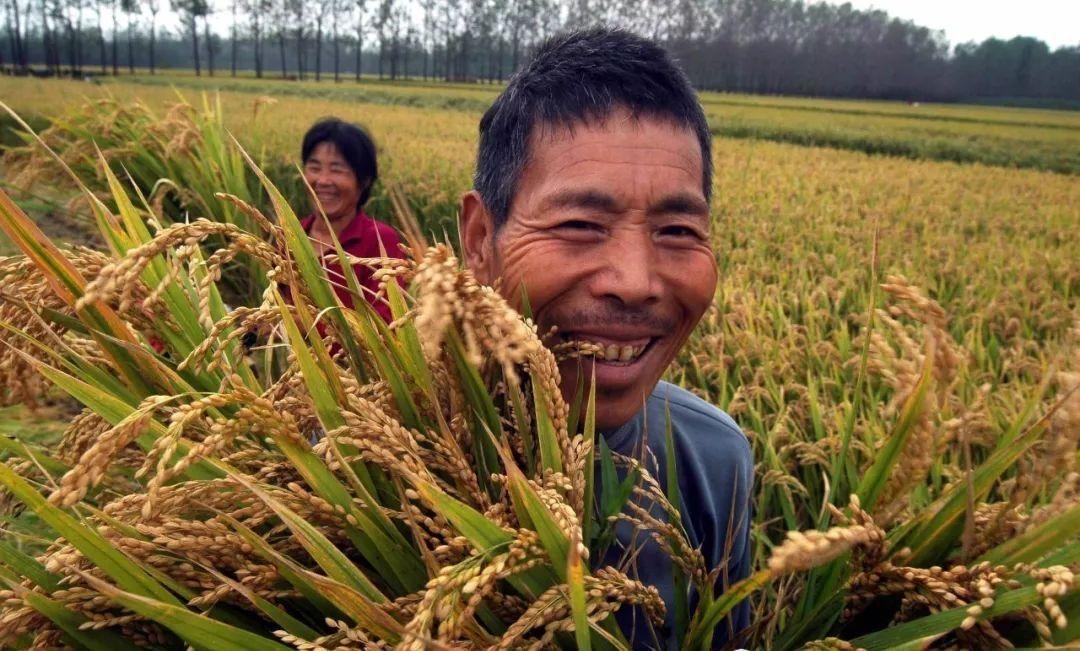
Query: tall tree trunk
[
  {"x": 516, "y": 52},
  {"x": 52, "y": 45},
  {"x": 448, "y": 52},
  {"x": 256, "y": 37},
  {"x": 72, "y": 55},
  {"x": 394, "y": 44},
  {"x": 359, "y": 46},
  {"x": 300, "y": 53},
  {"x": 209, "y": 46},
  {"x": 46, "y": 42},
  {"x": 233, "y": 55},
  {"x": 153, "y": 43},
  {"x": 195, "y": 46},
  {"x": 78, "y": 42},
  {"x": 18, "y": 43},
  {"x": 131, "y": 45},
  {"x": 115, "y": 30},
  {"x": 490, "y": 63},
  {"x": 13, "y": 41},
  {"x": 502, "y": 51},
  {"x": 463, "y": 69},
  {"x": 281, "y": 49},
  {"x": 101, "y": 48},
  {"x": 318, "y": 49},
  {"x": 337, "y": 52}
]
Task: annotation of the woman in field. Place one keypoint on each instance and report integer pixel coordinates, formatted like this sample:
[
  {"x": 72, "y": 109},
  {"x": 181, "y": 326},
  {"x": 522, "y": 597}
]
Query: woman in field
[{"x": 340, "y": 165}]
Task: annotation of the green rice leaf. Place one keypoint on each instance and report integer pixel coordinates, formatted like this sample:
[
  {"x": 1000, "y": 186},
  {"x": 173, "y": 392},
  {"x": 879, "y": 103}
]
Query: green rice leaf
[
  {"x": 97, "y": 549},
  {"x": 377, "y": 539},
  {"x": 484, "y": 535},
  {"x": 325, "y": 553},
  {"x": 1036, "y": 542},
  {"x": 575, "y": 580},
  {"x": 589, "y": 434},
  {"x": 24, "y": 451},
  {"x": 674, "y": 496},
  {"x": 552, "y": 537},
  {"x": 938, "y": 624},
  {"x": 283, "y": 619},
  {"x": 196, "y": 629},
  {"x": 550, "y": 454},
  {"x": 29, "y": 567},
  {"x": 885, "y": 460},
  {"x": 705, "y": 621},
  {"x": 69, "y": 622}
]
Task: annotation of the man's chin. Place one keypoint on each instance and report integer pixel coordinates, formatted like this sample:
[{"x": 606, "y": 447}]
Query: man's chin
[{"x": 620, "y": 394}]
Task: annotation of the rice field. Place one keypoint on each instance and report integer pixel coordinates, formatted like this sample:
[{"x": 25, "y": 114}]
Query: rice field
[
  {"x": 1036, "y": 139},
  {"x": 900, "y": 327}
]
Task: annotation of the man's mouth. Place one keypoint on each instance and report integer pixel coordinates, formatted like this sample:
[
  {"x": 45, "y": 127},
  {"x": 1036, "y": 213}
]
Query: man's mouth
[{"x": 610, "y": 351}]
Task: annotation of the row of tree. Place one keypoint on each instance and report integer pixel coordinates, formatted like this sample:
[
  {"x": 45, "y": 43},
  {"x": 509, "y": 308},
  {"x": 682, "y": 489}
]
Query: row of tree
[{"x": 760, "y": 46}]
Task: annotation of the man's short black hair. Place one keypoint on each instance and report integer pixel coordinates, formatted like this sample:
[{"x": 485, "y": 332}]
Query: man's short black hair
[
  {"x": 354, "y": 144},
  {"x": 581, "y": 76}
]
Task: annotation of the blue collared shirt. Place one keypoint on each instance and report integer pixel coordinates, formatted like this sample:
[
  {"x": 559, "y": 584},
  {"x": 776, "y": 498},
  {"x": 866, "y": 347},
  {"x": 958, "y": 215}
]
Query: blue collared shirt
[{"x": 715, "y": 468}]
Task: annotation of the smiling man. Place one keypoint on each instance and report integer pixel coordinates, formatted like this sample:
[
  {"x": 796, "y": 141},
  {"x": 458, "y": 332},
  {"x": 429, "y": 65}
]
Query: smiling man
[{"x": 592, "y": 190}]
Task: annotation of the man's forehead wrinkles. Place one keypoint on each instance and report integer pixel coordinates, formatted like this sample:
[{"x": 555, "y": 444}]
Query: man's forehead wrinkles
[
  {"x": 610, "y": 149},
  {"x": 560, "y": 168},
  {"x": 606, "y": 161},
  {"x": 610, "y": 136}
]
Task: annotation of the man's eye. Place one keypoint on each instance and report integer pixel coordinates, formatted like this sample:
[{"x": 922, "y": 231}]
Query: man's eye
[
  {"x": 578, "y": 225},
  {"x": 680, "y": 231}
]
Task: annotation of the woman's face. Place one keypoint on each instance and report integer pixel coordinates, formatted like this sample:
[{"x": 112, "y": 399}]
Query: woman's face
[{"x": 332, "y": 178}]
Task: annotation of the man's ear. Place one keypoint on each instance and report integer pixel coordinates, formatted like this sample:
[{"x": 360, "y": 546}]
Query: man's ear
[{"x": 476, "y": 228}]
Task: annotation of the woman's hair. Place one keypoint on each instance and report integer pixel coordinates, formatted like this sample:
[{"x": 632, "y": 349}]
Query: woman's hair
[{"x": 354, "y": 144}]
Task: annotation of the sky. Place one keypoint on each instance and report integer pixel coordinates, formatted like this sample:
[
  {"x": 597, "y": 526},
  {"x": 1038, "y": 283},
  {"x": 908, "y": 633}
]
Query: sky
[{"x": 1057, "y": 22}]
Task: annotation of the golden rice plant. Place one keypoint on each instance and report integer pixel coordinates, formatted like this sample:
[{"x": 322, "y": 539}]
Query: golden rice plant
[
  {"x": 449, "y": 500},
  {"x": 837, "y": 375},
  {"x": 180, "y": 161}
]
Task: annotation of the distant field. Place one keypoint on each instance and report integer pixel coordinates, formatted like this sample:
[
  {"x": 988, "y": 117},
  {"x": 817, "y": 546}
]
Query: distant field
[
  {"x": 947, "y": 226},
  {"x": 817, "y": 203},
  {"x": 1007, "y": 137}
]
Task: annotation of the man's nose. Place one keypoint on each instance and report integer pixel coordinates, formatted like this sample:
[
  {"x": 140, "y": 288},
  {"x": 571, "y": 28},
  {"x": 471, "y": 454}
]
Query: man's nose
[{"x": 629, "y": 274}]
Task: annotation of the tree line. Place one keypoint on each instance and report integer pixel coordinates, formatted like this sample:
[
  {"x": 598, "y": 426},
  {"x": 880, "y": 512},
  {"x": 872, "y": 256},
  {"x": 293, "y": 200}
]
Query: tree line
[{"x": 758, "y": 46}]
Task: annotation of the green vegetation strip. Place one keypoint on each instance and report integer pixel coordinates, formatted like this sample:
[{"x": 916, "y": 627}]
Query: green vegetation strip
[{"x": 1000, "y": 153}]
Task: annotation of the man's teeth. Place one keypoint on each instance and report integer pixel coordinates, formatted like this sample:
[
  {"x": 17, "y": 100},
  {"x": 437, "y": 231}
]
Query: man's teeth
[{"x": 615, "y": 353}]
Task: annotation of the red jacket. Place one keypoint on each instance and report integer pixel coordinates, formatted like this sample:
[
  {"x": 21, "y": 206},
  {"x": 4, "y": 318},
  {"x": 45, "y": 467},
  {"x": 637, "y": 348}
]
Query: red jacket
[{"x": 362, "y": 238}]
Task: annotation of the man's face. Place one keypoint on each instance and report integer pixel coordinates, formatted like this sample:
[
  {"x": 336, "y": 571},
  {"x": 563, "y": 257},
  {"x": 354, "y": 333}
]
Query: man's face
[{"x": 608, "y": 234}]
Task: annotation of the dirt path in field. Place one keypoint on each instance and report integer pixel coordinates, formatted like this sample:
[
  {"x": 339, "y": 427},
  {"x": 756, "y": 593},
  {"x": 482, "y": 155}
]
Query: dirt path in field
[
  {"x": 61, "y": 223},
  {"x": 62, "y": 227}
]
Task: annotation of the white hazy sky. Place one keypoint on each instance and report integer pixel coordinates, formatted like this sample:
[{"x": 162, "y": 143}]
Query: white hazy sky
[{"x": 1055, "y": 21}]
